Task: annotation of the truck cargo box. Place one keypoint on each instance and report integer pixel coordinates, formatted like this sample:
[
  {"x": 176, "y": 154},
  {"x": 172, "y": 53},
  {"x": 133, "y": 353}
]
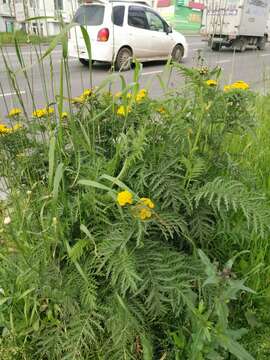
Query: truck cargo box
[{"x": 234, "y": 18}]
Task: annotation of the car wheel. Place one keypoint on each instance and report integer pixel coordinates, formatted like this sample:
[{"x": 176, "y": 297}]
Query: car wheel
[
  {"x": 262, "y": 43},
  {"x": 178, "y": 53},
  {"x": 85, "y": 62},
  {"x": 123, "y": 59}
]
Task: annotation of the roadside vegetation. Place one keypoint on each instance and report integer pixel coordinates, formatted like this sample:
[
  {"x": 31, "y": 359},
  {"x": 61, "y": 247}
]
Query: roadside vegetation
[
  {"x": 23, "y": 38},
  {"x": 136, "y": 228}
]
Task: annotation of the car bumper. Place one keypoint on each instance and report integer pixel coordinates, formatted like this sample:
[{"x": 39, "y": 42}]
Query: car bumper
[{"x": 100, "y": 52}]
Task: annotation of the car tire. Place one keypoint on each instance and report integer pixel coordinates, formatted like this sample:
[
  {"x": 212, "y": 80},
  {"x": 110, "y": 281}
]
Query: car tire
[
  {"x": 262, "y": 43},
  {"x": 177, "y": 53},
  {"x": 85, "y": 62},
  {"x": 123, "y": 59}
]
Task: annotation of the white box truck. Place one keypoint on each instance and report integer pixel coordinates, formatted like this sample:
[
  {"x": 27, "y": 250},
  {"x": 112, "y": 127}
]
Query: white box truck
[{"x": 236, "y": 23}]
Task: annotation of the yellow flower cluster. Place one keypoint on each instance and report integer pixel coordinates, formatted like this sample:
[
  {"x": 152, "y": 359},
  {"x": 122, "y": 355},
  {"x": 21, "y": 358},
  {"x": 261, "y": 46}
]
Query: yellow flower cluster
[
  {"x": 7, "y": 130},
  {"x": 161, "y": 110},
  {"x": 14, "y": 112},
  {"x": 40, "y": 113},
  {"x": 211, "y": 83},
  {"x": 147, "y": 202},
  {"x": 124, "y": 198},
  {"x": 141, "y": 95},
  {"x": 123, "y": 110},
  {"x": 83, "y": 97},
  {"x": 143, "y": 209},
  {"x": 238, "y": 85},
  {"x": 64, "y": 115},
  {"x": 119, "y": 95},
  {"x": 203, "y": 70},
  {"x": 87, "y": 93}
]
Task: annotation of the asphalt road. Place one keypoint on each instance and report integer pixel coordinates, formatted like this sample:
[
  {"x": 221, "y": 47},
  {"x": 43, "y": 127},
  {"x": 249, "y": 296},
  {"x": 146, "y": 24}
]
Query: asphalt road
[{"x": 251, "y": 66}]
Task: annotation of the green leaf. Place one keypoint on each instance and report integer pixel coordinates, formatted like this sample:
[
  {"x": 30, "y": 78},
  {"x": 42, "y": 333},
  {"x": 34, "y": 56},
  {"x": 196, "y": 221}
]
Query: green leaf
[
  {"x": 36, "y": 325},
  {"x": 252, "y": 319},
  {"x": 40, "y": 18},
  {"x": 234, "y": 348},
  {"x": 25, "y": 293},
  {"x": 230, "y": 263},
  {"x": 89, "y": 235},
  {"x": 59, "y": 38},
  {"x": 147, "y": 348},
  {"x": 51, "y": 159},
  {"x": 4, "y": 300},
  {"x": 94, "y": 184},
  {"x": 210, "y": 270},
  {"x": 116, "y": 181},
  {"x": 57, "y": 179},
  {"x": 89, "y": 51}
]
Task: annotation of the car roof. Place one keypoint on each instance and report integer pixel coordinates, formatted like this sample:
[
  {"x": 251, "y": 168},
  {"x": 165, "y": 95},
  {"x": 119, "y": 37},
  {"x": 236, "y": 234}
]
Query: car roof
[{"x": 127, "y": 2}]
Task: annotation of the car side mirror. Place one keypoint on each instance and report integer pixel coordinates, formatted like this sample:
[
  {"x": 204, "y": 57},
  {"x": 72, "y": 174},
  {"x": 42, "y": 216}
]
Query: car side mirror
[{"x": 168, "y": 30}]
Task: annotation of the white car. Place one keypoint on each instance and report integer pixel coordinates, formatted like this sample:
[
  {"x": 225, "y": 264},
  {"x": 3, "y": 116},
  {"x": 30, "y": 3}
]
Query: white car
[{"x": 121, "y": 31}]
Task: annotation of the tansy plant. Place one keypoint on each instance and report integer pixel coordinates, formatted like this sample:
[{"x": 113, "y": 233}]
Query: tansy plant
[{"x": 142, "y": 208}]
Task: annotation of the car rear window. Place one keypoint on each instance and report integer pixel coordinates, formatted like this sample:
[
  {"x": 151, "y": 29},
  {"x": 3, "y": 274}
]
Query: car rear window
[
  {"x": 118, "y": 15},
  {"x": 92, "y": 15}
]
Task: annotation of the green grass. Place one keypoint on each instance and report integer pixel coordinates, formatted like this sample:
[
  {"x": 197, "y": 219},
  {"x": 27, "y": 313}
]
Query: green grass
[{"x": 23, "y": 38}]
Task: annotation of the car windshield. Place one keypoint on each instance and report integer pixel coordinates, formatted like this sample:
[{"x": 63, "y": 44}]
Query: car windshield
[{"x": 89, "y": 15}]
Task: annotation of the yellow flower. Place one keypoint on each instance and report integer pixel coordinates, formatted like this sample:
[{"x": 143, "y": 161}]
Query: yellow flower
[
  {"x": 145, "y": 213},
  {"x": 49, "y": 111},
  {"x": 211, "y": 83},
  {"x": 147, "y": 202},
  {"x": 86, "y": 93},
  {"x": 141, "y": 95},
  {"x": 14, "y": 112},
  {"x": 17, "y": 127},
  {"x": 4, "y": 129},
  {"x": 161, "y": 110},
  {"x": 78, "y": 100},
  {"x": 242, "y": 85},
  {"x": 7, "y": 130},
  {"x": 238, "y": 85},
  {"x": 118, "y": 94},
  {"x": 124, "y": 198},
  {"x": 64, "y": 115},
  {"x": 123, "y": 110},
  {"x": 39, "y": 113},
  {"x": 227, "y": 88}
]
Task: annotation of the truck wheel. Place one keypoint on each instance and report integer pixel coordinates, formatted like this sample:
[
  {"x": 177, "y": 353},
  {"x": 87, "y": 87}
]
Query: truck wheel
[
  {"x": 262, "y": 43},
  {"x": 215, "y": 46},
  {"x": 239, "y": 45},
  {"x": 242, "y": 46}
]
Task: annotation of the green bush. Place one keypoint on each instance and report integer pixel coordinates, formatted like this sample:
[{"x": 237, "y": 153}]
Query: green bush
[
  {"x": 23, "y": 38},
  {"x": 121, "y": 218}
]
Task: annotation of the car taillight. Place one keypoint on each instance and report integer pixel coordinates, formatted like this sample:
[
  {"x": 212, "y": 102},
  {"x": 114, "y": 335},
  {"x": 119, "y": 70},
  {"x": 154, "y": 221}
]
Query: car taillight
[{"x": 103, "y": 35}]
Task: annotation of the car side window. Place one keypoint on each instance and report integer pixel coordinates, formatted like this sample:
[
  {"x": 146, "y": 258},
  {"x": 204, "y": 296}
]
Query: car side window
[
  {"x": 118, "y": 14},
  {"x": 137, "y": 17},
  {"x": 154, "y": 21}
]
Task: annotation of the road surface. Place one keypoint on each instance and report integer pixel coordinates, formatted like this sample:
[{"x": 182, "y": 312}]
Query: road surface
[{"x": 251, "y": 66}]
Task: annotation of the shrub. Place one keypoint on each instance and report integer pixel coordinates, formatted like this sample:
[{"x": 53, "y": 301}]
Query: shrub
[{"x": 108, "y": 208}]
